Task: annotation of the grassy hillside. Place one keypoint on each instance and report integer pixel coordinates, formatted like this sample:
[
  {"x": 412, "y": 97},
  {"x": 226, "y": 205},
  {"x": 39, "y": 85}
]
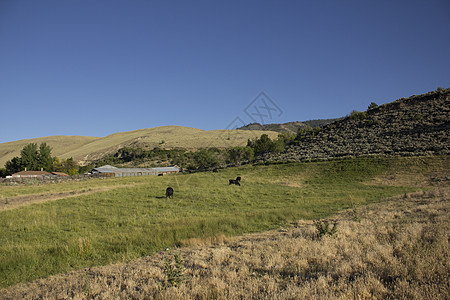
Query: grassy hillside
[
  {"x": 90, "y": 148},
  {"x": 117, "y": 219}
]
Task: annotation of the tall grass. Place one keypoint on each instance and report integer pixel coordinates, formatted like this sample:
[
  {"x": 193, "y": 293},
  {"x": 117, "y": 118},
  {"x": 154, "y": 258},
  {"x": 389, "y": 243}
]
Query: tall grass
[{"x": 136, "y": 220}]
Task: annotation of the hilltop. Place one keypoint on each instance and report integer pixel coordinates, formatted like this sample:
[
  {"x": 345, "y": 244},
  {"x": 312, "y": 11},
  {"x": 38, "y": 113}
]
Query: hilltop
[
  {"x": 84, "y": 149},
  {"x": 418, "y": 125}
]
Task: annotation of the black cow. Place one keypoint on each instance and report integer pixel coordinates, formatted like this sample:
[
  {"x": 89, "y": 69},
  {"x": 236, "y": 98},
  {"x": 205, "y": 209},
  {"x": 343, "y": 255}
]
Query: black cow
[
  {"x": 169, "y": 192},
  {"x": 233, "y": 181}
]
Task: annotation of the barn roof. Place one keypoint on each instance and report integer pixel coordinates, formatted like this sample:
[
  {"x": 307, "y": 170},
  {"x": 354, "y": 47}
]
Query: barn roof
[
  {"x": 167, "y": 169},
  {"x": 32, "y": 173},
  {"x": 111, "y": 169},
  {"x": 60, "y": 174}
]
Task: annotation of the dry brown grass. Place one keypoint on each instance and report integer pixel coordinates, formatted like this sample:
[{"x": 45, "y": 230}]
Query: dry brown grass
[{"x": 399, "y": 249}]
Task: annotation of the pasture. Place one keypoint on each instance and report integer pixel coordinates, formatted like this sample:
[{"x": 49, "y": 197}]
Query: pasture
[{"x": 104, "y": 221}]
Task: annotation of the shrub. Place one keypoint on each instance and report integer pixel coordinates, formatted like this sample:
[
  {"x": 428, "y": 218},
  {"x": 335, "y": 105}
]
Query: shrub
[
  {"x": 323, "y": 227},
  {"x": 355, "y": 214},
  {"x": 373, "y": 105},
  {"x": 173, "y": 268},
  {"x": 358, "y": 115}
]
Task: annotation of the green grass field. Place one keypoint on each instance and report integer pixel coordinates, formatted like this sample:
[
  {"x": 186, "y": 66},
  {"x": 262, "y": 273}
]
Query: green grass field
[{"x": 134, "y": 219}]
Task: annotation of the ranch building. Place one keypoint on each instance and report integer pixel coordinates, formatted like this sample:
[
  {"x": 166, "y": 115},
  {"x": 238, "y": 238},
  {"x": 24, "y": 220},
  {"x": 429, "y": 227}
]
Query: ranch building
[
  {"x": 112, "y": 171},
  {"x": 30, "y": 174}
]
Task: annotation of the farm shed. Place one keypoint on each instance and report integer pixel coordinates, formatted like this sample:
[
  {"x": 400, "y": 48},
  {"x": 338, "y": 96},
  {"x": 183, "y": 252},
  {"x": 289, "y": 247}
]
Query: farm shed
[
  {"x": 60, "y": 174},
  {"x": 122, "y": 172},
  {"x": 30, "y": 174},
  {"x": 167, "y": 170}
]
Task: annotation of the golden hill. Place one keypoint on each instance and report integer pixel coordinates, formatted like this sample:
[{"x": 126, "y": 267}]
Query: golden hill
[{"x": 84, "y": 148}]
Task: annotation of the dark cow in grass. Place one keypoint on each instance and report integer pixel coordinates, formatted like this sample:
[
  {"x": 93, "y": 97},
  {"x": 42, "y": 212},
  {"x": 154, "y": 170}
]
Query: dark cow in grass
[
  {"x": 235, "y": 181},
  {"x": 169, "y": 192}
]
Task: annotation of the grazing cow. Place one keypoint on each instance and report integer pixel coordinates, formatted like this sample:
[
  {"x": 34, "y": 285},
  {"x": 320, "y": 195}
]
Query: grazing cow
[
  {"x": 233, "y": 181},
  {"x": 169, "y": 192}
]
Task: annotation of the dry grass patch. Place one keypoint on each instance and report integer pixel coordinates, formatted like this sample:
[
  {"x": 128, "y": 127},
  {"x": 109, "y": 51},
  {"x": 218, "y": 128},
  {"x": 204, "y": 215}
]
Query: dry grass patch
[{"x": 399, "y": 249}]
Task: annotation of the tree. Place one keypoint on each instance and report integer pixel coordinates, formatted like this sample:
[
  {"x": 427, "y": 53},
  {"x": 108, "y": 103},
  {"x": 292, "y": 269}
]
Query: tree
[
  {"x": 70, "y": 166},
  {"x": 44, "y": 158},
  {"x": 14, "y": 165},
  {"x": 239, "y": 154},
  {"x": 3, "y": 172},
  {"x": 29, "y": 155},
  {"x": 277, "y": 146},
  {"x": 286, "y": 137},
  {"x": 57, "y": 165},
  {"x": 206, "y": 158},
  {"x": 31, "y": 158},
  {"x": 262, "y": 145}
]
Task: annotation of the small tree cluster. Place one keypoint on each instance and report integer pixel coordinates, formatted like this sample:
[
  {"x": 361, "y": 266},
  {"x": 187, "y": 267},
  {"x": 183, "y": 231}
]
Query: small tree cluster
[
  {"x": 34, "y": 158},
  {"x": 266, "y": 145}
]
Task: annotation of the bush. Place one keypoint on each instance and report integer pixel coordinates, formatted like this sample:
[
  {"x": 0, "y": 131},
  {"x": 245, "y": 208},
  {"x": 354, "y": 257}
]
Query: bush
[
  {"x": 323, "y": 227},
  {"x": 358, "y": 115},
  {"x": 173, "y": 268},
  {"x": 373, "y": 105}
]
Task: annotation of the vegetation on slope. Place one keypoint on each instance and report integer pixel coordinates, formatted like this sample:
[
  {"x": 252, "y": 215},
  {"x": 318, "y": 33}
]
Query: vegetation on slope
[{"x": 418, "y": 125}]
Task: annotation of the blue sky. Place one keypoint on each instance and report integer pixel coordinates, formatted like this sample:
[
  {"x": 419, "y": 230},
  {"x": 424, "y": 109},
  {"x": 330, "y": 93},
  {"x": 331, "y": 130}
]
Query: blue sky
[{"x": 96, "y": 67}]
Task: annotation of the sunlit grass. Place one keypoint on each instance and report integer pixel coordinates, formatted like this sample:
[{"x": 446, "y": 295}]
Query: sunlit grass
[{"x": 136, "y": 220}]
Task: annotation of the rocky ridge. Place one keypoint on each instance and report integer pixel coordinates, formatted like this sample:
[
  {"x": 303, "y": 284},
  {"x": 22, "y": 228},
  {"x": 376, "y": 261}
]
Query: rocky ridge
[{"x": 418, "y": 125}]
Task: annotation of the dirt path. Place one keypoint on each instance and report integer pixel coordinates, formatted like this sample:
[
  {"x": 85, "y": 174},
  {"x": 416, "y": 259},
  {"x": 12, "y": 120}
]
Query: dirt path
[{"x": 19, "y": 201}]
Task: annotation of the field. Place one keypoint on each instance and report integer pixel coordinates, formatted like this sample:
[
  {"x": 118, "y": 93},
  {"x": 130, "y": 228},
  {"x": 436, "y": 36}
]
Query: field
[{"x": 82, "y": 225}]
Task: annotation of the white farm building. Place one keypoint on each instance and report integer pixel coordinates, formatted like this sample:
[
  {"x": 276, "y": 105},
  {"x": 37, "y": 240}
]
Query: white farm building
[{"x": 122, "y": 172}]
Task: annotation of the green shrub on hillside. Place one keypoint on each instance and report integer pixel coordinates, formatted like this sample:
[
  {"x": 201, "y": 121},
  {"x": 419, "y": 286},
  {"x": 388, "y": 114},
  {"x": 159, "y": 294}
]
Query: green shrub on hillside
[
  {"x": 358, "y": 115},
  {"x": 373, "y": 105}
]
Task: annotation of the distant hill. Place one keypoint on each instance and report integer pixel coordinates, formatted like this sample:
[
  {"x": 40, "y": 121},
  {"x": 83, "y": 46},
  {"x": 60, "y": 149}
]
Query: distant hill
[
  {"x": 418, "y": 125},
  {"x": 291, "y": 127},
  {"x": 84, "y": 149}
]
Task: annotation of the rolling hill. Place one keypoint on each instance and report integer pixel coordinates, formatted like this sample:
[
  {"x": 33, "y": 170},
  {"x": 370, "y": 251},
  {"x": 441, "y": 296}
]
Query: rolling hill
[{"x": 84, "y": 148}]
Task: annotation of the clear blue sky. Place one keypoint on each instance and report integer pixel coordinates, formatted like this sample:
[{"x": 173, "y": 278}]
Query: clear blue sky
[{"x": 96, "y": 67}]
